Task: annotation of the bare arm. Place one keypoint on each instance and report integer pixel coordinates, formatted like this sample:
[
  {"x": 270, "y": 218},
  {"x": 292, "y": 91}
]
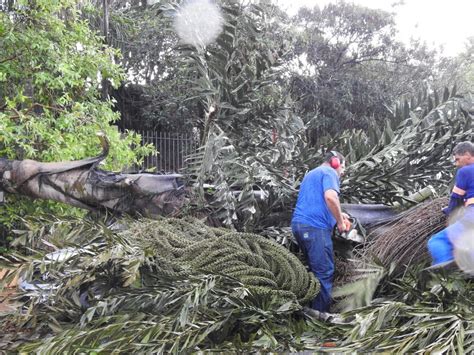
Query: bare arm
[{"x": 332, "y": 200}]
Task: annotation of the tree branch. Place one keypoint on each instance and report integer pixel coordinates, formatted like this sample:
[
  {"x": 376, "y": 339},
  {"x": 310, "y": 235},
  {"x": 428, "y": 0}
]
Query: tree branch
[{"x": 10, "y": 58}]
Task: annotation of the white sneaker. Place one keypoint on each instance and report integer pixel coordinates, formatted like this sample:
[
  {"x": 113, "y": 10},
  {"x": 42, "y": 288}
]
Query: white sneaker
[{"x": 334, "y": 318}]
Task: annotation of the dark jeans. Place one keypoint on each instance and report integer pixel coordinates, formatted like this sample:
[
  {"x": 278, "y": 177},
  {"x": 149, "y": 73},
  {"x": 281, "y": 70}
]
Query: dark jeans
[{"x": 316, "y": 245}]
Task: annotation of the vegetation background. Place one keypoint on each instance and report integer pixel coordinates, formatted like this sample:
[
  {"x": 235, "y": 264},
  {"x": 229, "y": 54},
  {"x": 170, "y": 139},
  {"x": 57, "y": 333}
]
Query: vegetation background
[{"x": 266, "y": 100}]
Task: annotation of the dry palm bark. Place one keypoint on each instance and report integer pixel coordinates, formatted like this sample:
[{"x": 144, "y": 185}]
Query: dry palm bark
[
  {"x": 403, "y": 241},
  {"x": 82, "y": 184}
]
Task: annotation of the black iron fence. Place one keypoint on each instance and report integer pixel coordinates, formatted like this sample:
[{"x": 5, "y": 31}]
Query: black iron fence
[{"x": 172, "y": 147}]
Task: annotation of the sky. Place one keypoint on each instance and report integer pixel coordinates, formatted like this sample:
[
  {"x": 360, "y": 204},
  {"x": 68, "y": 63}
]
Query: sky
[{"x": 446, "y": 23}]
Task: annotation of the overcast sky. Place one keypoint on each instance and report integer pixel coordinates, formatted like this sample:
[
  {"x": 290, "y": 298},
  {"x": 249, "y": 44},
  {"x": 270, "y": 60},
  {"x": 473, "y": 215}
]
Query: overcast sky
[{"x": 438, "y": 22}]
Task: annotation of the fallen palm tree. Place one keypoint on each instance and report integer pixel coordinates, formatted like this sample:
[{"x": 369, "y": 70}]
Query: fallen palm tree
[
  {"x": 117, "y": 292},
  {"x": 163, "y": 285},
  {"x": 83, "y": 184}
]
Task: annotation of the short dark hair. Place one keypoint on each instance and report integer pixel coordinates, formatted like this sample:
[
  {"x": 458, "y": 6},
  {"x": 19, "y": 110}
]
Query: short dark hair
[
  {"x": 463, "y": 148},
  {"x": 333, "y": 153}
]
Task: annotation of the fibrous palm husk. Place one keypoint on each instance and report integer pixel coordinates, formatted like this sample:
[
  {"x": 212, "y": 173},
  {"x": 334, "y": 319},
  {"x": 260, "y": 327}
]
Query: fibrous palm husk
[{"x": 403, "y": 241}]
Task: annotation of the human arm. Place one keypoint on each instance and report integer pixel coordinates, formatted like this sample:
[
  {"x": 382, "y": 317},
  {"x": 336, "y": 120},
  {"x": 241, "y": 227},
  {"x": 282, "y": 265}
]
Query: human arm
[
  {"x": 332, "y": 200},
  {"x": 459, "y": 191},
  {"x": 456, "y": 200}
]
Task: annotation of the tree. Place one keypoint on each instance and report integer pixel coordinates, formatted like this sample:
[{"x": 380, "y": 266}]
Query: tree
[
  {"x": 458, "y": 70},
  {"x": 156, "y": 93},
  {"x": 351, "y": 67},
  {"x": 51, "y": 66},
  {"x": 250, "y": 136},
  {"x": 417, "y": 154}
]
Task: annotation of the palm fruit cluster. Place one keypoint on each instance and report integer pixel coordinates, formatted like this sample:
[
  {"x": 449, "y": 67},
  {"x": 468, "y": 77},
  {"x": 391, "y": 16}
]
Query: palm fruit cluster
[{"x": 183, "y": 247}]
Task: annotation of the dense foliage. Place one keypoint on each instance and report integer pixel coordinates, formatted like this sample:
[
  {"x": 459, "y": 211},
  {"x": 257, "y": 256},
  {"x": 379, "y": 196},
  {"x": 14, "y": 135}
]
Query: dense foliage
[
  {"x": 138, "y": 288},
  {"x": 273, "y": 93},
  {"x": 417, "y": 154},
  {"x": 353, "y": 69},
  {"x": 112, "y": 293},
  {"x": 51, "y": 66},
  {"x": 267, "y": 99}
]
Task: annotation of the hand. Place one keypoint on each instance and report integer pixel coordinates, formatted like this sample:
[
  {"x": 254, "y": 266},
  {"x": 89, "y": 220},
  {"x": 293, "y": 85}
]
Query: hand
[
  {"x": 345, "y": 226},
  {"x": 346, "y": 222},
  {"x": 446, "y": 212},
  {"x": 341, "y": 227}
]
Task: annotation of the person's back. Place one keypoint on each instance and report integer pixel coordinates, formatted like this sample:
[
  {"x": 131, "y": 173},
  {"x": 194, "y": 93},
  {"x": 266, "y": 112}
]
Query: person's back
[
  {"x": 316, "y": 212},
  {"x": 465, "y": 180},
  {"x": 311, "y": 207}
]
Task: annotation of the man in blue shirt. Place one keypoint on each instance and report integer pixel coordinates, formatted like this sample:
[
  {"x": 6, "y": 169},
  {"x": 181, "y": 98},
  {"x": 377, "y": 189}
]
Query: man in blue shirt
[
  {"x": 441, "y": 244},
  {"x": 316, "y": 213}
]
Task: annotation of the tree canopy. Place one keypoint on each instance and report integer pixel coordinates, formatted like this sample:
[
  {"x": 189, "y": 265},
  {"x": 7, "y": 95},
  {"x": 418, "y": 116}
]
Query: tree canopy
[
  {"x": 51, "y": 67},
  {"x": 266, "y": 100}
]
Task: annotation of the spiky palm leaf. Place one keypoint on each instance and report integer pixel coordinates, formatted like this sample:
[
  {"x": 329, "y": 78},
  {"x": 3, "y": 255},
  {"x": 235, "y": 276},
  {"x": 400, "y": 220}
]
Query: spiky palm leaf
[
  {"x": 151, "y": 288},
  {"x": 414, "y": 156},
  {"x": 250, "y": 136},
  {"x": 421, "y": 312}
]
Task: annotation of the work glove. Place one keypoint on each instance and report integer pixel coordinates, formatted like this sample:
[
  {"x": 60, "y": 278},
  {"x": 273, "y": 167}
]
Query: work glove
[{"x": 455, "y": 202}]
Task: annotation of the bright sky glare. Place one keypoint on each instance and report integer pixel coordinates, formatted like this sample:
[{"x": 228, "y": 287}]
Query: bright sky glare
[{"x": 446, "y": 23}]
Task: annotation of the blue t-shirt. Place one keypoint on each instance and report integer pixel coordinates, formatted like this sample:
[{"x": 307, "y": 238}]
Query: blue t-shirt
[
  {"x": 311, "y": 207},
  {"x": 465, "y": 180}
]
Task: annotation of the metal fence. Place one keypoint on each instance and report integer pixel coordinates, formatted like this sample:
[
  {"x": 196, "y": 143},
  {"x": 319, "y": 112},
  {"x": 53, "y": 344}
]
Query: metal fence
[{"x": 172, "y": 147}]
